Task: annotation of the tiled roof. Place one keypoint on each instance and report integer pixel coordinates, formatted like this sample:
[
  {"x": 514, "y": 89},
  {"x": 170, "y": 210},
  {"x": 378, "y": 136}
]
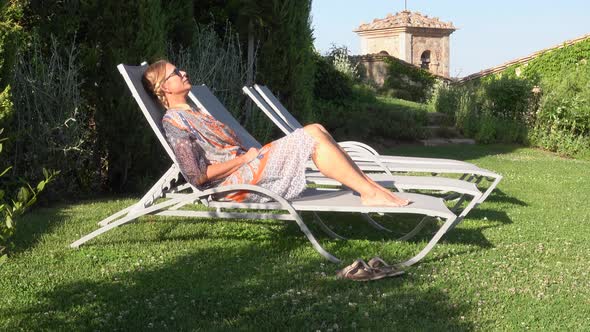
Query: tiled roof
[
  {"x": 520, "y": 61},
  {"x": 406, "y": 19}
]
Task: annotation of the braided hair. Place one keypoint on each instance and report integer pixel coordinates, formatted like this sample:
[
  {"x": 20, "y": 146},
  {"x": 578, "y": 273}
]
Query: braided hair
[{"x": 153, "y": 79}]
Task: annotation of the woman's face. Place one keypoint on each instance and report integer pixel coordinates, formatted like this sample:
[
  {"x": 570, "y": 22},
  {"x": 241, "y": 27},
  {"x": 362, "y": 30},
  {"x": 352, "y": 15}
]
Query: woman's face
[{"x": 176, "y": 81}]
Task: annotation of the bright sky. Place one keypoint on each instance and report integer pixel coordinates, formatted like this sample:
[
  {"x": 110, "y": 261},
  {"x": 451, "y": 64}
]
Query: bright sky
[{"x": 489, "y": 32}]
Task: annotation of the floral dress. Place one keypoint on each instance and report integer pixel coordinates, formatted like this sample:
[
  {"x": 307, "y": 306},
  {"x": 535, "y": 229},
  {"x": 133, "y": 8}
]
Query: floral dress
[{"x": 199, "y": 140}]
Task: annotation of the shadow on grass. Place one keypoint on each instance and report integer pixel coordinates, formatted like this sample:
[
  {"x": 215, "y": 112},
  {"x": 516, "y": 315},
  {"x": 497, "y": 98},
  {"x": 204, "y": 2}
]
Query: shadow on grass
[
  {"x": 32, "y": 226},
  {"x": 213, "y": 289},
  {"x": 498, "y": 196}
]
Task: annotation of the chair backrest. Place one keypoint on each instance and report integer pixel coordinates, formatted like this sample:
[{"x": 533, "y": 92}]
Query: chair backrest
[
  {"x": 276, "y": 105},
  {"x": 151, "y": 109},
  {"x": 267, "y": 109},
  {"x": 204, "y": 99}
]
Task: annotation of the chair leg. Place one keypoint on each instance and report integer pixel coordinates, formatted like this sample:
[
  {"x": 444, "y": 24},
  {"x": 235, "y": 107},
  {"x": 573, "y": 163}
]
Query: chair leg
[
  {"x": 437, "y": 236},
  {"x": 155, "y": 192},
  {"x": 490, "y": 189},
  {"x": 325, "y": 228},
  {"x": 115, "y": 216},
  {"x": 316, "y": 245},
  {"x": 375, "y": 224},
  {"x": 416, "y": 229},
  {"x": 130, "y": 217}
]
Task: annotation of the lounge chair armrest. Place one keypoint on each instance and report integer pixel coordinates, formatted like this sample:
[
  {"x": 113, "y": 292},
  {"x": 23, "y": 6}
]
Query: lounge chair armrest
[
  {"x": 245, "y": 187},
  {"x": 358, "y": 147}
]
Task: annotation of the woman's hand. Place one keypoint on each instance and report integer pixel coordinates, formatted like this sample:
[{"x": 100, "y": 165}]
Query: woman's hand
[{"x": 250, "y": 155}]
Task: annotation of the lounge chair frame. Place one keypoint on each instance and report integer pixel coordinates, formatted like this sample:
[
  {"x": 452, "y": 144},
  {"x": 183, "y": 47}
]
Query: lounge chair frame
[
  {"x": 366, "y": 157},
  {"x": 167, "y": 196}
]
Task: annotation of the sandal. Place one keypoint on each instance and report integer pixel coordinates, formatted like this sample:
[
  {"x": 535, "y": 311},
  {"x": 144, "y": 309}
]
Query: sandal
[
  {"x": 360, "y": 271},
  {"x": 389, "y": 270}
]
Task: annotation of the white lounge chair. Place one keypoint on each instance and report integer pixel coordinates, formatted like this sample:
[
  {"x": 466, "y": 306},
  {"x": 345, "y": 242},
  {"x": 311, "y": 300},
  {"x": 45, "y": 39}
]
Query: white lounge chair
[
  {"x": 367, "y": 158},
  {"x": 174, "y": 195}
]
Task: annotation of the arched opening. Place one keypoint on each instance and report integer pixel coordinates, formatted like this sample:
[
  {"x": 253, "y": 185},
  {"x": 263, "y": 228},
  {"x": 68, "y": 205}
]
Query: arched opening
[
  {"x": 425, "y": 60},
  {"x": 383, "y": 53}
]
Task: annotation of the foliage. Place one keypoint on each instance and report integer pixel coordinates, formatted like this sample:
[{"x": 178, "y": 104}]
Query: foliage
[
  {"x": 111, "y": 32},
  {"x": 551, "y": 65},
  {"x": 565, "y": 105},
  {"x": 340, "y": 58},
  {"x": 11, "y": 35},
  {"x": 50, "y": 127},
  {"x": 496, "y": 109},
  {"x": 330, "y": 84},
  {"x": 364, "y": 118},
  {"x": 13, "y": 207},
  {"x": 106, "y": 34},
  {"x": 285, "y": 59},
  {"x": 406, "y": 81},
  {"x": 446, "y": 99},
  {"x": 543, "y": 102}
]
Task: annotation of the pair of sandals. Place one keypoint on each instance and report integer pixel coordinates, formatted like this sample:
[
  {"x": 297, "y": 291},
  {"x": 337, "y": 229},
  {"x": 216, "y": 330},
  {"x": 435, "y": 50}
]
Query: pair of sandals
[{"x": 375, "y": 269}]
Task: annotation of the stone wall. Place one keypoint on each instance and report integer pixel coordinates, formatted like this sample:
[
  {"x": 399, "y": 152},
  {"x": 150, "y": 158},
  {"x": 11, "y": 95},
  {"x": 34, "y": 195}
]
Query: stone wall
[
  {"x": 388, "y": 44},
  {"x": 439, "y": 52},
  {"x": 373, "y": 68}
]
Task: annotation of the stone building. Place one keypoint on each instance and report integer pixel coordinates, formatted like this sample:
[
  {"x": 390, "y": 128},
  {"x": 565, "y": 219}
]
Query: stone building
[{"x": 410, "y": 36}]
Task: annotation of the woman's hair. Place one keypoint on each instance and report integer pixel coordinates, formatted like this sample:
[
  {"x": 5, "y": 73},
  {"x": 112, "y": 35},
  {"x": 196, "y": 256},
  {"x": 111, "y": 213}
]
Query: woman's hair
[{"x": 153, "y": 78}]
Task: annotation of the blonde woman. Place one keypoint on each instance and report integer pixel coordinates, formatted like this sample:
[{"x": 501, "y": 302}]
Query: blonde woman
[{"x": 209, "y": 152}]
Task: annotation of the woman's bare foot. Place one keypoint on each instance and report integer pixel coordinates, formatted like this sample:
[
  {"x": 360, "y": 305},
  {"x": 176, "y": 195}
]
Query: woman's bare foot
[
  {"x": 380, "y": 198},
  {"x": 387, "y": 191}
]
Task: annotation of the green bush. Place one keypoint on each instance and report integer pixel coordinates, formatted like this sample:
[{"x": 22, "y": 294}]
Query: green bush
[
  {"x": 12, "y": 206},
  {"x": 544, "y": 103},
  {"x": 507, "y": 97},
  {"x": 364, "y": 118},
  {"x": 50, "y": 125},
  {"x": 495, "y": 109},
  {"x": 286, "y": 55},
  {"x": 406, "y": 81},
  {"x": 565, "y": 105},
  {"x": 446, "y": 99},
  {"x": 330, "y": 84},
  {"x": 340, "y": 58}
]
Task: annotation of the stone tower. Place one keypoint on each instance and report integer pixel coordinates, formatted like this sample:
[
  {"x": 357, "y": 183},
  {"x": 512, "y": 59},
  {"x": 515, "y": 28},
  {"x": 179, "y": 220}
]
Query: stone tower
[{"x": 412, "y": 37}]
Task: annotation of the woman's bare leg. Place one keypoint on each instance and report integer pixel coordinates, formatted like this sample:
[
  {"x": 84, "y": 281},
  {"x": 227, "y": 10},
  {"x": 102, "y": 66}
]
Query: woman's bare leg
[
  {"x": 325, "y": 131},
  {"x": 333, "y": 162}
]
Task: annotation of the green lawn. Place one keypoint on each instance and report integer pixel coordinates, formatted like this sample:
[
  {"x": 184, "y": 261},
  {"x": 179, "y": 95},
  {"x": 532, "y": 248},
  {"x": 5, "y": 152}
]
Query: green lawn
[
  {"x": 405, "y": 104},
  {"x": 519, "y": 261}
]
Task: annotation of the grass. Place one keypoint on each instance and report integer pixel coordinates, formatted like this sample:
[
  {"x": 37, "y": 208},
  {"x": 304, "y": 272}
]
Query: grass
[
  {"x": 519, "y": 261},
  {"x": 405, "y": 104}
]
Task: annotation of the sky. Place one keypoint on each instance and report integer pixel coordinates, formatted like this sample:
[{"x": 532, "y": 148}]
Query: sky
[{"x": 489, "y": 32}]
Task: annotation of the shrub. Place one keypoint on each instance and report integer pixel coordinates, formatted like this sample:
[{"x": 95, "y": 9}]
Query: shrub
[
  {"x": 285, "y": 59},
  {"x": 12, "y": 207},
  {"x": 330, "y": 84},
  {"x": 494, "y": 109},
  {"x": 446, "y": 99},
  {"x": 339, "y": 56},
  {"x": 369, "y": 120},
  {"x": 507, "y": 97},
  {"x": 565, "y": 105},
  {"x": 50, "y": 125},
  {"x": 406, "y": 81}
]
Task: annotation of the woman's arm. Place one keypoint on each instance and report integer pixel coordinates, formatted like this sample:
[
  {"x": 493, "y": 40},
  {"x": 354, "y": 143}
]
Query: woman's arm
[{"x": 222, "y": 170}]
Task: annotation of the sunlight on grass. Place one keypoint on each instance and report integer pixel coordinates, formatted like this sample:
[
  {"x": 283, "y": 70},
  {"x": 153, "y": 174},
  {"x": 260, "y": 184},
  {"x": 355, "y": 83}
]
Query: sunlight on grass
[{"x": 519, "y": 261}]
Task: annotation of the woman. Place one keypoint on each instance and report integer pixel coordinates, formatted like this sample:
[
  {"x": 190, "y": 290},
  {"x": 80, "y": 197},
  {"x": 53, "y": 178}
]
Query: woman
[{"x": 210, "y": 153}]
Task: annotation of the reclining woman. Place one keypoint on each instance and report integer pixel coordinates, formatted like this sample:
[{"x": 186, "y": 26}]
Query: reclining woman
[{"x": 210, "y": 154}]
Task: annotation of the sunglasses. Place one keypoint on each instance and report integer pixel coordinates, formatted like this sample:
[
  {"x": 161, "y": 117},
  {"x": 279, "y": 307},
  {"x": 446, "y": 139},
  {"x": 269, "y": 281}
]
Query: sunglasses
[{"x": 176, "y": 71}]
